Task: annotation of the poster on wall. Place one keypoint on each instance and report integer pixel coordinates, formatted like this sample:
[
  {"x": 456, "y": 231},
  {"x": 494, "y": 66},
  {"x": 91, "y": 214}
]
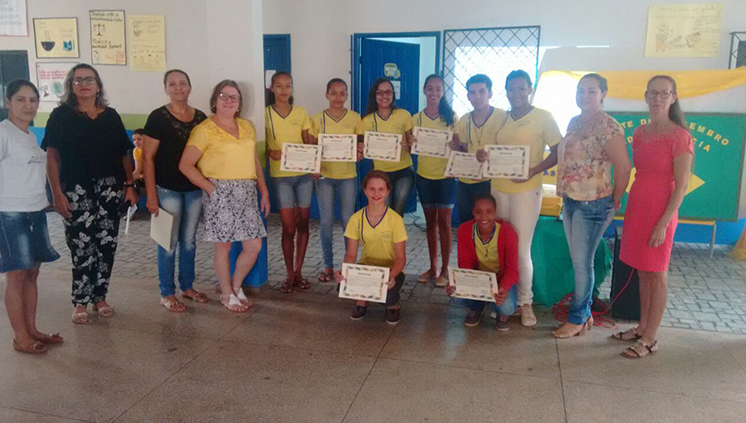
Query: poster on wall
[
  {"x": 146, "y": 35},
  {"x": 107, "y": 37},
  {"x": 50, "y": 80},
  {"x": 684, "y": 30},
  {"x": 56, "y": 37},
  {"x": 13, "y": 21}
]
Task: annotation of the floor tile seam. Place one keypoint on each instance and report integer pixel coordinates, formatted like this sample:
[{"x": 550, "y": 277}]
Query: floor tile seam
[
  {"x": 562, "y": 383},
  {"x": 654, "y": 391},
  {"x": 45, "y": 414},
  {"x": 743, "y": 370},
  {"x": 149, "y": 332},
  {"x": 287, "y": 347}
]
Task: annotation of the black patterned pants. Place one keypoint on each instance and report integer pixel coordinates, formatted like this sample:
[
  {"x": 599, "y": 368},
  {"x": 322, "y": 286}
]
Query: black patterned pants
[{"x": 91, "y": 234}]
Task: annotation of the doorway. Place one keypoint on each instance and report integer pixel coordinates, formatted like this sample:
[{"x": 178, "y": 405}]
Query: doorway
[
  {"x": 13, "y": 65},
  {"x": 276, "y": 57}
]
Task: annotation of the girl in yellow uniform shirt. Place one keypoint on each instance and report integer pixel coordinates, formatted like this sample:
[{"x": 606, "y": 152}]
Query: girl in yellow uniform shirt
[
  {"x": 286, "y": 123},
  {"x": 381, "y": 232},
  {"x": 338, "y": 179},
  {"x": 519, "y": 201},
  {"x": 435, "y": 190},
  {"x": 476, "y": 129},
  {"x": 384, "y": 116}
]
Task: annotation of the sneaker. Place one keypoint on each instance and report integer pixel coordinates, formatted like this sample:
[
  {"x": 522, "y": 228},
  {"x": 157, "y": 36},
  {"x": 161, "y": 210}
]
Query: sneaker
[
  {"x": 393, "y": 315},
  {"x": 528, "y": 318},
  {"x": 473, "y": 318},
  {"x": 358, "y": 312},
  {"x": 501, "y": 323}
]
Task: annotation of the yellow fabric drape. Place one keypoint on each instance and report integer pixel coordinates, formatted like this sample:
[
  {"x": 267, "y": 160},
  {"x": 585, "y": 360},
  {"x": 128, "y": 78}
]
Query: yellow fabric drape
[{"x": 631, "y": 84}]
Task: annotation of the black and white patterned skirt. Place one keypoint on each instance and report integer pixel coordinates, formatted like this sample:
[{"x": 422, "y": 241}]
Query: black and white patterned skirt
[{"x": 232, "y": 211}]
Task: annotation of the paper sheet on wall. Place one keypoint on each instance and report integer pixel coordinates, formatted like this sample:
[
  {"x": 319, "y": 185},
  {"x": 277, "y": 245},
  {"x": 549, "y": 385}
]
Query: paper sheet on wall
[
  {"x": 684, "y": 30},
  {"x": 50, "y": 79},
  {"x": 56, "y": 37},
  {"x": 13, "y": 21},
  {"x": 107, "y": 37},
  {"x": 161, "y": 227},
  {"x": 146, "y": 35}
]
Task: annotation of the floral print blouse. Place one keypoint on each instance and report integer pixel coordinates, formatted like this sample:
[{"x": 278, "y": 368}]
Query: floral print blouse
[{"x": 583, "y": 167}]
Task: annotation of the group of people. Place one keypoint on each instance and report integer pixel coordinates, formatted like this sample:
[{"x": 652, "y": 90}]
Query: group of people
[{"x": 192, "y": 164}]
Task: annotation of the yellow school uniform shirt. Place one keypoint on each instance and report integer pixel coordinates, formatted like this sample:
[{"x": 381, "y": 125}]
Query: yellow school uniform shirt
[
  {"x": 476, "y": 137},
  {"x": 537, "y": 129},
  {"x": 323, "y": 123},
  {"x": 377, "y": 241},
  {"x": 399, "y": 122},
  {"x": 223, "y": 155},
  {"x": 432, "y": 167},
  {"x": 487, "y": 250},
  {"x": 284, "y": 129},
  {"x": 137, "y": 153}
]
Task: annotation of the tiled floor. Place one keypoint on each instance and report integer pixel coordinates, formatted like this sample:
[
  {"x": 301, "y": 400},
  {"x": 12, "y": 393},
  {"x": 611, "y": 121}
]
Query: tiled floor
[{"x": 300, "y": 358}]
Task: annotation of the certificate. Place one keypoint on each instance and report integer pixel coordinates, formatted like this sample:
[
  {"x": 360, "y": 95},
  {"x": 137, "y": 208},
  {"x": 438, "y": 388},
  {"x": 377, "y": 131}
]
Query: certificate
[
  {"x": 432, "y": 142},
  {"x": 507, "y": 161},
  {"x": 338, "y": 147},
  {"x": 367, "y": 283},
  {"x": 382, "y": 146},
  {"x": 161, "y": 228},
  {"x": 300, "y": 158},
  {"x": 463, "y": 165},
  {"x": 473, "y": 284}
]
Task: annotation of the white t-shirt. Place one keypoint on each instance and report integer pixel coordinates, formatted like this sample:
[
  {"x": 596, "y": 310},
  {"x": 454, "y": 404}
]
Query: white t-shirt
[{"x": 22, "y": 171}]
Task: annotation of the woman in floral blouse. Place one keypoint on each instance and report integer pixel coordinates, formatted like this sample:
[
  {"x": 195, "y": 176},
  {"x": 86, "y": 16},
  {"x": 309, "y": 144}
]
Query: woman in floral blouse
[{"x": 593, "y": 143}]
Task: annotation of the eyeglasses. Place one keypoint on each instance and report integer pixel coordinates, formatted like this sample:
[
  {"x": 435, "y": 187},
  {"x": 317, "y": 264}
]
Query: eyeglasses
[
  {"x": 653, "y": 94},
  {"x": 88, "y": 80},
  {"x": 386, "y": 93},
  {"x": 229, "y": 98}
]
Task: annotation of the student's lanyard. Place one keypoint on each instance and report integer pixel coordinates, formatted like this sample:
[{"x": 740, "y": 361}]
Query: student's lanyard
[
  {"x": 481, "y": 128},
  {"x": 477, "y": 236},
  {"x": 375, "y": 121}
]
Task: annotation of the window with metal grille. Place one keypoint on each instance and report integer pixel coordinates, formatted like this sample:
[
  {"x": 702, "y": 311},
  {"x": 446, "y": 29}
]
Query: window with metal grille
[
  {"x": 737, "y": 50},
  {"x": 491, "y": 51}
]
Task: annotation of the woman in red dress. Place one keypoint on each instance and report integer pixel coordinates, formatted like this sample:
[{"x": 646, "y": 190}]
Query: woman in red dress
[{"x": 662, "y": 151}]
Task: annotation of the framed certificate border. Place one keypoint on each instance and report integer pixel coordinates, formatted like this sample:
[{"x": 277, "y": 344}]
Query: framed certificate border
[
  {"x": 395, "y": 157},
  {"x": 382, "y": 292},
  {"x": 522, "y": 152},
  {"x": 348, "y": 156},
  {"x": 475, "y": 174},
  {"x": 453, "y": 280},
  {"x": 288, "y": 148},
  {"x": 446, "y": 149}
]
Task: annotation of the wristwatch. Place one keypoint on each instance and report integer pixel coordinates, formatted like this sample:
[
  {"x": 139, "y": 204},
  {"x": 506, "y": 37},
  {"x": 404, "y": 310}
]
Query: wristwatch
[{"x": 129, "y": 185}]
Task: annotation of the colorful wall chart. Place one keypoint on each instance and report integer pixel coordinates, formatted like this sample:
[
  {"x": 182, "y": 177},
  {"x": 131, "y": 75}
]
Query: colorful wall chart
[
  {"x": 146, "y": 35},
  {"x": 50, "y": 80},
  {"x": 107, "y": 37},
  {"x": 56, "y": 37},
  {"x": 684, "y": 30}
]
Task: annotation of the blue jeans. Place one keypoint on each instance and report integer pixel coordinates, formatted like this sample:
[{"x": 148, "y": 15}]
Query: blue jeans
[
  {"x": 465, "y": 194},
  {"x": 346, "y": 191},
  {"x": 507, "y": 308},
  {"x": 585, "y": 223},
  {"x": 402, "y": 182},
  {"x": 186, "y": 208}
]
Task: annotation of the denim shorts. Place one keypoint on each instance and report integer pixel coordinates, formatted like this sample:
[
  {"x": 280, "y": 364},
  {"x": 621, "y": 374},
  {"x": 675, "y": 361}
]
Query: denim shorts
[
  {"x": 24, "y": 241},
  {"x": 438, "y": 193},
  {"x": 293, "y": 191}
]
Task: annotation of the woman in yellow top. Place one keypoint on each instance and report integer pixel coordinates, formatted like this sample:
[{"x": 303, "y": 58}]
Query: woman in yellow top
[
  {"x": 476, "y": 129},
  {"x": 286, "y": 123},
  {"x": 221, "y": 159},
  {"x": 381, "y": 232},
  {"x": 435, "y": 190},
  {"x": 383, "y": 116},
  {"x": 338, "y": 178},
  {"x": 519, "y": 201}
]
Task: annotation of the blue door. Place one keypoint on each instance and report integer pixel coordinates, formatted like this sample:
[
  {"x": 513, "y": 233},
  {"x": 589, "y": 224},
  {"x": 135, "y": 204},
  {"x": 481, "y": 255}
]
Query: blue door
[{"x": 276, "y": 54}]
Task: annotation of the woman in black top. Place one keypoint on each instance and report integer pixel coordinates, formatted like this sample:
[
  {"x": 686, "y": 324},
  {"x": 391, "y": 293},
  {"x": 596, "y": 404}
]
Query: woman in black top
[
  {"x": 90, "y": 172},
  {"x": 166, "y": 134}
]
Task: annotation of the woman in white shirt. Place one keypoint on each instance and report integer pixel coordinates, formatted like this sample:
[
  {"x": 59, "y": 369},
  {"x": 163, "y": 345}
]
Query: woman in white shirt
[{"x": 24, "y": 240}]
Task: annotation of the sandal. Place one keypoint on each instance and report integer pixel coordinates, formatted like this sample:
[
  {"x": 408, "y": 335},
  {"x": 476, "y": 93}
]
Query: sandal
[
  {"x": 106, "y": 311},
  {"x": 326, "y": 275},
  {"x": 581, "y": 331},
  {"x": 50, "y": 338},
  {"x": 37, "y": 347},
  {"x": 286, "y": 288},
  {"x": 640, "y": 350},
  {"x": 198, "y": 297},
  {"x": 80, "y": 318},
  {"x": 627, "y": 335},
  {"x": 242, "y": 297},
  {"x": 302, "y": 284},
  {"x": 425, "y": 277},
  {"x": 175, "y": 306},
  {"x": 232, "y": 303}
]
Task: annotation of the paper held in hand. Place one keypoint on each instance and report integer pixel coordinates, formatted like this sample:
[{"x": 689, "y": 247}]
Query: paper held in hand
[
  {"x": 367, "y": 283},
  {"x": 382, "y": 146},
  {"x": 473, "y": 284},
  {"x": 161, "y": 228},
  {"x": 507, "y": 161},
  {"x": 338, "y": 147},
  {"x": 301, "y": 158},
  {"x": 432, "y": 142},
  {"x": 463, "y": 165}
]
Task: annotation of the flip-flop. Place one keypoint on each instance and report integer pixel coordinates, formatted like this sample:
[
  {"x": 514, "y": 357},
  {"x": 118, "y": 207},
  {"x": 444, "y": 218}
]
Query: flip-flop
[
  {"x": 173, "y": 305},
  {"x": 37, "y": 347},
  {"x": 199, "y": 297},
  {"x": 242, "y": 297},
  {"x": 286, "y": 288},
  {"x": 325, "y": 276},
  {"x": 230, "y": 301},
  {"x": 302, "y": 284},
  {"x": 50, "y": 339}
]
